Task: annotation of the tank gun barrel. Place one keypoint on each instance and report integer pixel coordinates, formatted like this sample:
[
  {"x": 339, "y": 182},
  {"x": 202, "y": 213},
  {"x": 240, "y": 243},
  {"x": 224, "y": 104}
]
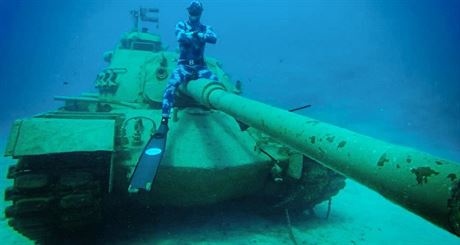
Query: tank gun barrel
[{"x": 422, "y": 183}]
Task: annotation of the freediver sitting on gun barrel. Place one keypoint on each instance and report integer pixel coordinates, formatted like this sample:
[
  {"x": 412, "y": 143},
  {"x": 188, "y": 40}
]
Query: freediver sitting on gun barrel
[{"x": 192, "y": 36}]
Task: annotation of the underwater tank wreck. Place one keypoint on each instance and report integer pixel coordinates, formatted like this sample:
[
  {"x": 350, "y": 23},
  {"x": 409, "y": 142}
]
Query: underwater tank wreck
[
  {"x": 76, "y": 162},
  {"x": 267, "y": 153}
]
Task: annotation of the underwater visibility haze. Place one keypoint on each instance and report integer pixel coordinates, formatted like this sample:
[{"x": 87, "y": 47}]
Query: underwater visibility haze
[{"x": 242, "y": 172}]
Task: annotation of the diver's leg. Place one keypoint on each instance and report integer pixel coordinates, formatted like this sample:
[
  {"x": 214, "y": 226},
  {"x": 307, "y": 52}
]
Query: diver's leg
[
  {"x": 206, "y": 73},
  {"x": 177, "y": 77}
]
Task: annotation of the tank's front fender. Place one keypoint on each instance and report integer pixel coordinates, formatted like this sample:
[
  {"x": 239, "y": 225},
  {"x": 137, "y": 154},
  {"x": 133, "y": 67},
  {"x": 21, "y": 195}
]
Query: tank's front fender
[{"x": 39, "y": 136}]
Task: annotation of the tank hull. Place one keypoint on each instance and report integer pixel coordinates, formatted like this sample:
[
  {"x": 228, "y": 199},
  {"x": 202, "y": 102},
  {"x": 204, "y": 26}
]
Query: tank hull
[{"x": 74, "y": 165}]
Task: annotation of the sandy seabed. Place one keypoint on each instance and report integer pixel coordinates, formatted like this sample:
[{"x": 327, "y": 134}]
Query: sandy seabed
[{"x": 358, "y": 216}]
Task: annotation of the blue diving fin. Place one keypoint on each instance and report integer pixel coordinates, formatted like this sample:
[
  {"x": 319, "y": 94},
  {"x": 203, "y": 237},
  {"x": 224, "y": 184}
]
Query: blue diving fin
[{"x": 147, "y": 166}]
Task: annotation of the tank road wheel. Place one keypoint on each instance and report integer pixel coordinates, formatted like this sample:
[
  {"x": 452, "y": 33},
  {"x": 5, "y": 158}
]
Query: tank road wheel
[{"x": 57, "y": 194}]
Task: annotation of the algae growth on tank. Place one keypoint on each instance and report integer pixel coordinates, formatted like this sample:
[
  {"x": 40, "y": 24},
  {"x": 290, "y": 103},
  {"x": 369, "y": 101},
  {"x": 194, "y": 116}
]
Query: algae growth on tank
[{"x": 230, "y": 122}]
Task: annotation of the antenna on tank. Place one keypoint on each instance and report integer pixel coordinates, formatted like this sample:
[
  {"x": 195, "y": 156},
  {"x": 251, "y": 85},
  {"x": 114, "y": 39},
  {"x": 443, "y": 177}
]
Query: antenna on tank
[{"x": 145, "y": 15}]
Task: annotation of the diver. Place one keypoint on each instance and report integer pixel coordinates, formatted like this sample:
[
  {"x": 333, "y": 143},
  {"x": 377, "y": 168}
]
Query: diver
[{"x": 192, "y": 37}]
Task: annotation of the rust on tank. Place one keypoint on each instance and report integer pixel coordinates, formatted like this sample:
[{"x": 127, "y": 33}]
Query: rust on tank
[
  {"x": 330, "y": 139},
  {"x": 342, "y": 144},
  {"x": 422, "y": 174},
  {"x": 382, "y": 160},
  {"x": 452, "y": 177},
  {"x": 300, "y": 134}
]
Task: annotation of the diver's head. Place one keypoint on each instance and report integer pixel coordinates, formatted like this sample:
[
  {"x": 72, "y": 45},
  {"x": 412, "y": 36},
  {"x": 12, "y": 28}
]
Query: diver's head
[{"x": 194, "y": 11}]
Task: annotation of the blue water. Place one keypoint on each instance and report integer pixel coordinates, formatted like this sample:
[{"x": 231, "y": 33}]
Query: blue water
[{"x": 388, "y": 69}]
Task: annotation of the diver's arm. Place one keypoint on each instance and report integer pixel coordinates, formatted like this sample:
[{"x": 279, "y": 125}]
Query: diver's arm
[
  {"x": 181, "y": 34},
  {"x": 209, "y": 36}
]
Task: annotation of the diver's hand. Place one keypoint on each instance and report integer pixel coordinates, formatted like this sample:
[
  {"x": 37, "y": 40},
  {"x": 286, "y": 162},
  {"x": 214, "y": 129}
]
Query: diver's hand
[
  {"x": 198, "y": 35},
  {"x": 190, "y": 35}
]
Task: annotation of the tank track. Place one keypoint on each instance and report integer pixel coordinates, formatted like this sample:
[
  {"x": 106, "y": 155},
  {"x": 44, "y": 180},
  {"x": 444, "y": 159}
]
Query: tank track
[{"x": 56, "y": 194}]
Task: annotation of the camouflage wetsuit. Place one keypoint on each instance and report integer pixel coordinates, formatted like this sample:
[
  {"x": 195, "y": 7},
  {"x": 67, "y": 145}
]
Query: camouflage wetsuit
[{"x": 191, "y": 64}]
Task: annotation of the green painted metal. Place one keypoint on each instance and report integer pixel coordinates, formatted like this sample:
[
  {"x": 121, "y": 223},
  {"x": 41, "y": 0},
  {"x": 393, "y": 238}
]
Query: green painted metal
[
  {"x": 95, "y": 140},
  {"x": 207, "y": 159},
  {"x": 39, "y": 136},
  {"x": 425, "y": 184}
]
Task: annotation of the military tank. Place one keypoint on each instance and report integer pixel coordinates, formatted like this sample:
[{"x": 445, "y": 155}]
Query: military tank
[{"x": 75, "y": 162}]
